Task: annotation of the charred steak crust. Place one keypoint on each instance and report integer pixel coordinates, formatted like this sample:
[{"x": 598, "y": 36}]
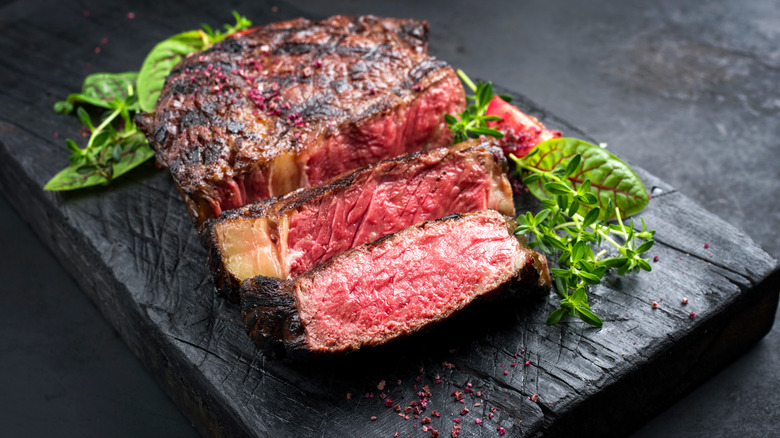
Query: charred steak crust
[
  {"x": 422, "y": 185},
  {"x": 277, "y": 318},
  {"x": 294, "y": 103}
]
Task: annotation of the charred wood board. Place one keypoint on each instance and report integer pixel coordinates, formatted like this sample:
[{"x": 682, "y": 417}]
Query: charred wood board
[{"x": 134, "y": 251}]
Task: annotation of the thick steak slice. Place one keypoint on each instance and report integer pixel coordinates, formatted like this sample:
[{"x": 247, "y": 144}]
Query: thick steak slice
[
  {"x": 394, "y": 286},
  {"x": 287, "y": 236},
  {"x": 295, "y": 103}
]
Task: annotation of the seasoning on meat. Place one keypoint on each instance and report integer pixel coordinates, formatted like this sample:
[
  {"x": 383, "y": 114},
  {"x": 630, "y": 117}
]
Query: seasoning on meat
[{"x": 295, "y": 103}]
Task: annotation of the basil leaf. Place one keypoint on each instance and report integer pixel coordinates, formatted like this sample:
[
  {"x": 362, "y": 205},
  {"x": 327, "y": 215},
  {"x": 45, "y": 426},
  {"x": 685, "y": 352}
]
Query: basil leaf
[
  {"x": 75, "y": 176},
  {"x": 135, "y": 150},
  {"x": 159, "y": 63},
  {"x": 611, "y": 178},
  {"x": 109, "y": 86}
]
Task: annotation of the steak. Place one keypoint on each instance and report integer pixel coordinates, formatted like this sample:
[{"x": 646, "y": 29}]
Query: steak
[
  {"x": 295, "y": 103},
  {"x": 394, "y": 286},
  {"x": 286, "y": 237}
]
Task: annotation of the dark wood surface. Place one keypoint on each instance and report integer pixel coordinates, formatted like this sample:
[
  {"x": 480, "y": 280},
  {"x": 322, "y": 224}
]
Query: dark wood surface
[{"x": 133, "y": 250}]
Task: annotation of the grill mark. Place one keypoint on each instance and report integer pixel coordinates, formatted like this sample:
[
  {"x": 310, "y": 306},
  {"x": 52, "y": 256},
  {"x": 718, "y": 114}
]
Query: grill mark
[{"x": 425, "y": 67}]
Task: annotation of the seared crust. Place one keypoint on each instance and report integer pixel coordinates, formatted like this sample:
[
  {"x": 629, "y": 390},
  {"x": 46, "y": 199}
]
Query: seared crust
[{"x": 273, "y": 97}]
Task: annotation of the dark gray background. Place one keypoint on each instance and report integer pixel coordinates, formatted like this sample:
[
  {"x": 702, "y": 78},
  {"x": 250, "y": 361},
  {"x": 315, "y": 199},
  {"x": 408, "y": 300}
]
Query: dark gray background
[{"x": 688, "y": 90}]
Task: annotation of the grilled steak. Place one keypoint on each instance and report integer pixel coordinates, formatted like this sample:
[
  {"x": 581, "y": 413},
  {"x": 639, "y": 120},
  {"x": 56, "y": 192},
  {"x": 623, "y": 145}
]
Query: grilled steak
[
  {"x": 295, "y": 103},
  {"x": 393, "y": 286},
  {"x": 287, "y": 236}
]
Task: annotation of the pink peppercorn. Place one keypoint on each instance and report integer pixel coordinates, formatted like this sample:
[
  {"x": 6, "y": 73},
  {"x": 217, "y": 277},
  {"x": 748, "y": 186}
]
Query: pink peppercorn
[
  {"x": 685, "y": 300},
  {"x": 478, "y": 421},
  {"x": 692, "y": 315},
  {"x": 706, "y": 245},
  {"x": 528, "y": 362},
  {"x": 130, "y": 15},
  {"x": 655, "y": 305},
  {"x": 506, "y": 372}
]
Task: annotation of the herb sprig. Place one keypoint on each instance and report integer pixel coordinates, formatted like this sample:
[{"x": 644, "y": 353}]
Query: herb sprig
[
  {"x": 473, "y": 122},
  {"x": 115, "y": 144},
  {"x": 586, "y": 193},
  {"x": 571, "y": 224}
]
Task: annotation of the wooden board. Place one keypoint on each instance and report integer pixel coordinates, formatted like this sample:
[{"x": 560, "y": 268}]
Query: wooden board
[{"x": 134, "y": 251}]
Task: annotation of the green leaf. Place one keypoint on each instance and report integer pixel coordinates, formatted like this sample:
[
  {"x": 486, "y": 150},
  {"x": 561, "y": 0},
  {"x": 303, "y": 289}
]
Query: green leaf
[
  {"x": 589, "y": 278},
  {"x": 74, "y": 177},
  {"x": 159, "y": 63},
  {"x": 84, "y": 118},
  {"x": 135, "y": 151},
  {"x": 561, "y": 288},
  {"x": 73, "y": 147},
  {"x": 591, "y": 217},
  {"x": 487, "y": 131},
  {"x": 589, "y": 317},
  {"x": 556, "y": 316},
  {"x": 63, "y": 107},
  {"x": 561, "y": 273},
  {"x": 506, "y": 98},
  {"x": 556, "y": 188},
  {"x": 573, "y": 165},
  {"x": 615, "y": 262},
  {"x": 530, "y": 179},
  {"x": 579, "y": 296},
  {"x": 642, "y": 263},
  {"x": 542, "y": 215},
  {"x": 611, "y": 178},
  {"x": 109, "y": 86},
  {"x": 645, "y": 247},
  {"x": 450, "y": 119}
]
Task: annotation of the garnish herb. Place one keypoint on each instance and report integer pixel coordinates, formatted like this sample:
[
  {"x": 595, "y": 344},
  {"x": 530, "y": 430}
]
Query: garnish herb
[
  {"x": 115, "y": 145},
  {"x": 576, "y": 204},
  {"x": 586, "y": 193},
  {"x": 473, "y": 120}
]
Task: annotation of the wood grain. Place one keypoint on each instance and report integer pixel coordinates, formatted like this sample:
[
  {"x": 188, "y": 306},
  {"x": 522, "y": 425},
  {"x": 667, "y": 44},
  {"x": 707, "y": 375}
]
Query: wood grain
[{"x": 133, "y": 250}]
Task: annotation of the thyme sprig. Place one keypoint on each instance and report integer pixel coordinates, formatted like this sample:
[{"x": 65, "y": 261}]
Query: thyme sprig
[
  {"x": 561, "y": 229},
  {"x": 472, "y": 122}
]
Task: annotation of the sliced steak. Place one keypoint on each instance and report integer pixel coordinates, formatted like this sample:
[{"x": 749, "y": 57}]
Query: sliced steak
[
  {"x": 287, "y": 236},
  {"x": 394, "y": 286},
  {"x": 295, "y": 103}
]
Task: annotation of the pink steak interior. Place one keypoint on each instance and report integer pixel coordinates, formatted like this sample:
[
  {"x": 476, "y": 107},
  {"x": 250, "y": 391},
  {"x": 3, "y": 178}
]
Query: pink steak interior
[{"x": 400, "y": 284}]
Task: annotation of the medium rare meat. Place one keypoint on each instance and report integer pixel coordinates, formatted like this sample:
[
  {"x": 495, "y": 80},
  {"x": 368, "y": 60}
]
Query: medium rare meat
[
  {"x": 393, "y": 286},
  {"x": 295, "y": 103},
  {"x": 287, "y": 236}
]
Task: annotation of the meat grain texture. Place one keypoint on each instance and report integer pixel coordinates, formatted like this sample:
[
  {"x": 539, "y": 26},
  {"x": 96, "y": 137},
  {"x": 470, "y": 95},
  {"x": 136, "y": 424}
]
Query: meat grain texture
[
  {"x": 287, "y": 236},
  {"x": 394, "y": 286},
  {"x": 295, "y": 103}
]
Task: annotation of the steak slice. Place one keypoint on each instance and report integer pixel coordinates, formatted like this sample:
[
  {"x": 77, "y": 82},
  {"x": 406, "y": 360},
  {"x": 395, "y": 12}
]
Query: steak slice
[
  {"x": 286, "y": 237},
  {"x": 295, "y": 103},
  {"x": 394, "y": 286}
]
